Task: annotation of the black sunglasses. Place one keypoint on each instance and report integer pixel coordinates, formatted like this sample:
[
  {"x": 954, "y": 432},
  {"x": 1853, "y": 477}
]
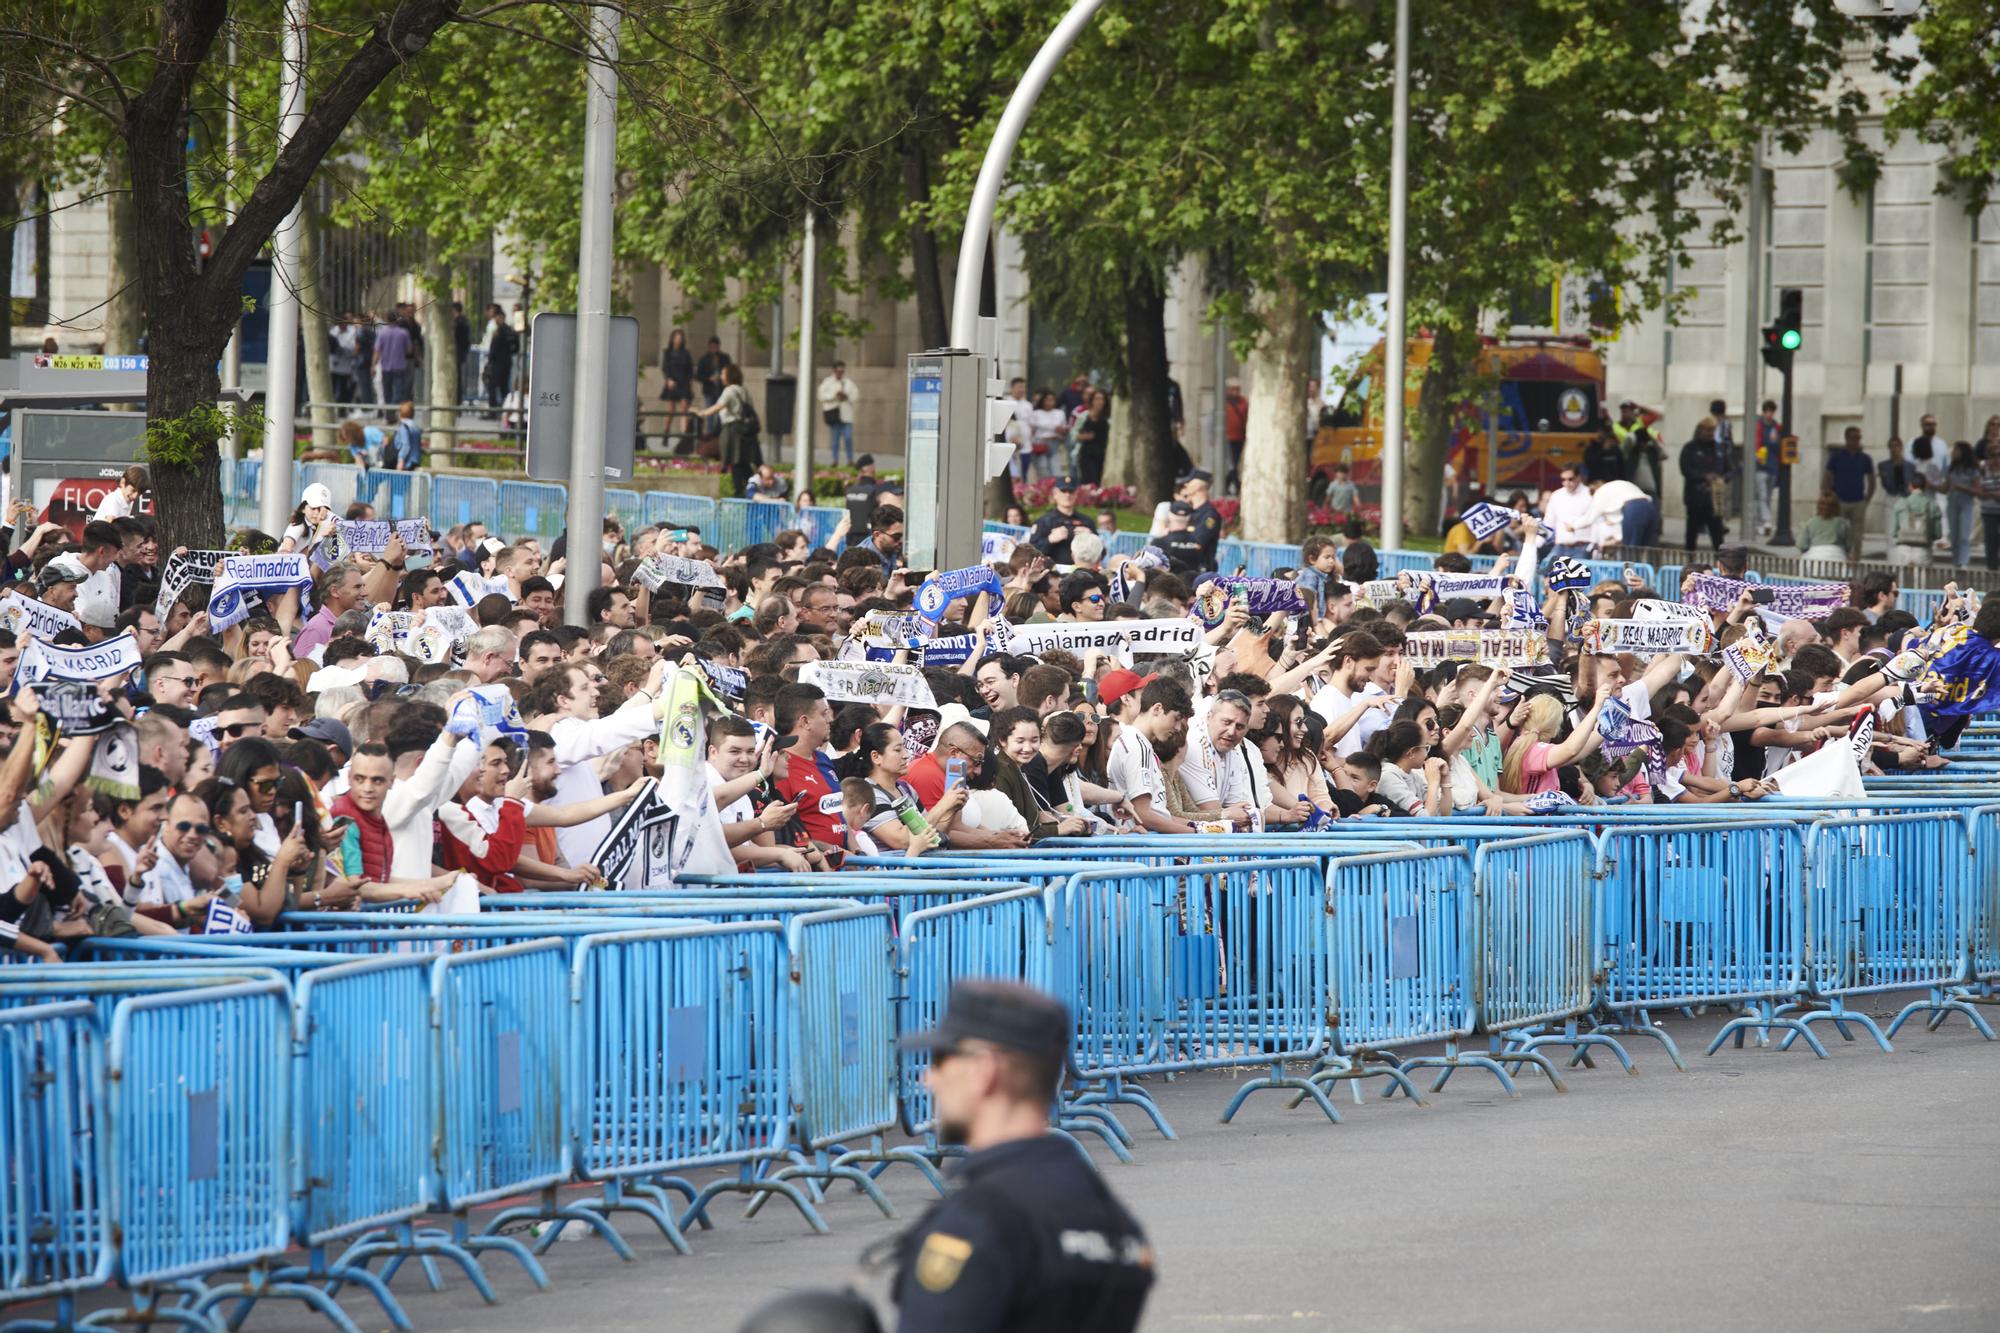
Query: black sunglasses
[{"x": 182, "y": 826}]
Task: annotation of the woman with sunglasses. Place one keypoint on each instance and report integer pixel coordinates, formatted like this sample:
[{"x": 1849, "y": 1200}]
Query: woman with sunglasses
[
  {"x": 297, "y": 878},
  {"x": 252, "y": 763}
]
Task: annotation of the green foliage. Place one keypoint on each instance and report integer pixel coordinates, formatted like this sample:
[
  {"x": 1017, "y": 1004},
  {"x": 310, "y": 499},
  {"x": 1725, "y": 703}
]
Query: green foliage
[
  {"x": 182, "y": 441},
  {"x": 1949, "y": 98}
]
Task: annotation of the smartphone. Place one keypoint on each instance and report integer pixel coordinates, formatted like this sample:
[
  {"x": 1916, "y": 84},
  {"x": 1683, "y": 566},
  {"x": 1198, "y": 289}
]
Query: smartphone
[
  {"x": 954, "y": 772},
  {"x": 1763, "y": 596}
]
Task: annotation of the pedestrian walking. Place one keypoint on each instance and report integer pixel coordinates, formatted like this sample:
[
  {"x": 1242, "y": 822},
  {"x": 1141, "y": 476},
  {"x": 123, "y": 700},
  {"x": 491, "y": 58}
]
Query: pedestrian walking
[{"x": 502, "y": 343}]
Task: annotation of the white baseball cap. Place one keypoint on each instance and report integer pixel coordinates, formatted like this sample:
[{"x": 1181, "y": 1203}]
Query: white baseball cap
[{"x": 317, "y": 496}]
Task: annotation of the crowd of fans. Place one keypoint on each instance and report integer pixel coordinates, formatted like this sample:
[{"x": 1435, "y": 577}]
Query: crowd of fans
[{"x": 293, "y": 762}]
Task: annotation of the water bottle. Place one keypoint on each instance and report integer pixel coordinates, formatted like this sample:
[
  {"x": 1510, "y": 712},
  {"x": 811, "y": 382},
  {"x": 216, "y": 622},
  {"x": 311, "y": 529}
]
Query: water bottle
[{"x": 913, "y": 818}]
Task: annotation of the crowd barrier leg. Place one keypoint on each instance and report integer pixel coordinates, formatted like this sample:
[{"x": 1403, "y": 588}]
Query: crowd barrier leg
[
  {"x": 1356, "y": 1067},
  {"x": 1837, "y": 1013},
  {"x": 1639, "y": 1023},
  {"x": 1942, "y": 1004},
  {"x": 1493, "y": 1060},
  {"x": 1278, "y": 1078},
  {"x": 1580, "y": 1043},
  {"x": 1765, "y": 1017}
]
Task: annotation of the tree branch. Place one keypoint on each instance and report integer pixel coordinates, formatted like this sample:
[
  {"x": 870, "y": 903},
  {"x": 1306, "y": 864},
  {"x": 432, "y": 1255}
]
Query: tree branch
[{"x": 395, "y": 39}]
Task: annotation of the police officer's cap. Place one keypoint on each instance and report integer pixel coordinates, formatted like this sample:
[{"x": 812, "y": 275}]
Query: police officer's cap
[
  {"x": 1198, "y": 475},
  {"x": 866, "y": 460},
  {"x": 1003, "y": 1013},
  {"x": 1065, "y": 482},
  {"x": 814, "y": 1312}
]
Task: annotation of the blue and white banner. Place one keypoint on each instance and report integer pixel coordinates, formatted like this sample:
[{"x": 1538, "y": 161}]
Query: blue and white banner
[
  {"x": 878, "y": 683},
  {"x": 1795, "y": 601},
  {"x": 1485, "y": 518},
  {"x": 1646, "y": 638},
  {"x": 1621, "y": 733},
  {"x": 1427, "y": 589},
  {"x": 182, "y": 570},
  {"x": 75, "y": 706},
  {"x": 951, "y": 651},
  {"x": 1261, "y": 597},
  {"x": 1549, "y": 802},
  {"x": 996, "y": 548},
  {"x": 1567, "y": 574},
  {"x": 226, "y": 920},
  {"x": 946, "y": 586},
  {"x": 263, "y": 575},
  {"x": 41, "y": 660},
  {"x": 465, "y": 588},
  {"x": 727, "y": 681},
  {"x": 22, "y": 616},
  {"x": 491, "y": 714},
  {"x": 657, "y": 570},
  {"x": 371, "y": 535},
  {"x": 1523, "y": 613}
]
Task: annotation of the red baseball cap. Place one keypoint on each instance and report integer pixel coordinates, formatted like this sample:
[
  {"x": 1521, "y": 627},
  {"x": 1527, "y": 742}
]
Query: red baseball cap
[{"x": 1117, "y": 684}]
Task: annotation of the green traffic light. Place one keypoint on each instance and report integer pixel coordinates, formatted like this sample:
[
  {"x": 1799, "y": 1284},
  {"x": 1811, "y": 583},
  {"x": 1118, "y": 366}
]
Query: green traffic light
[{"x": 1790, "y": 340}]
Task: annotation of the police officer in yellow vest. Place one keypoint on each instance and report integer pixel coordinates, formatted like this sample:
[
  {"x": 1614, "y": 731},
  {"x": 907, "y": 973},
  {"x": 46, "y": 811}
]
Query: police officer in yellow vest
[
  {"x": 1639, "y": 442},
  {"x": 1030, "y": 1239}
]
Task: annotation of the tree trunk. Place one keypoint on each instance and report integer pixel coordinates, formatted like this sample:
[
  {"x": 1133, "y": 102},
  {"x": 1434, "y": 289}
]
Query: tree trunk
[
  {"x": 125, "y": 312},
  {"x": 1438, "y": 403},
  {"x": 1274, "y": 443},
  {"x": 441, "y": 369},
  {"x": 933, "y": 322},
  {"x": 1151, "y": 428},
  {"x": 313, "y": 328},
  {"x": 1120, "y": 460}
]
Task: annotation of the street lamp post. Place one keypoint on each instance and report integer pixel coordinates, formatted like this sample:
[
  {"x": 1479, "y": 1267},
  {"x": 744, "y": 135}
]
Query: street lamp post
[
  {"x": 593, "y": 323},
  {"x": 1392, "y": 378},
  {"x": 280, "y": 393}
]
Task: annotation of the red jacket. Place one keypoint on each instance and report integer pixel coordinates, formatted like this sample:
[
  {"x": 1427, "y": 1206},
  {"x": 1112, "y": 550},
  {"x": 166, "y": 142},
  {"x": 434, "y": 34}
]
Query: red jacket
[
  {"x": 374, "y": 832},
  {"x": 491, "y": 857}
]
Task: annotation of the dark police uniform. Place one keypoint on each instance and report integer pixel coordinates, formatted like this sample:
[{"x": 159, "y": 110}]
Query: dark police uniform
[
  {"x": 860, "y": 503},
  {"x": 1057, "y": 552},
  {"x": 1029, "y": 1241},
  {"x": 1206, "y": 527},
  {"x": 1183, "y": 551}
]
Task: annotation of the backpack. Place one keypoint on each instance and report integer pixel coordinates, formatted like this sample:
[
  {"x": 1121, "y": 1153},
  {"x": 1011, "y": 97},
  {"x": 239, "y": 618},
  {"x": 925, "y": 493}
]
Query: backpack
[{"x": 748, "y": 424}]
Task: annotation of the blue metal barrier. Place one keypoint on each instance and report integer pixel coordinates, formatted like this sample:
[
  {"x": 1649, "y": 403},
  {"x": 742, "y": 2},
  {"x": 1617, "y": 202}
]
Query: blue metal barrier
[
  {"x": 459, "y": 500},
  {"x": 1388, "y": 564},
  {"x": 1709, "y": 912},
  {"x": 55, "y": 1219},
  {"x": 1401, "y": 958},
  {"x": 1888, "y": 902},
  {"x": 1003, "y": 935},
  {"x": 628, "y": 507},
  {"x": 671, "y": 509},
  {"x": 1194, "y": 967},
  {"x": 531, "y": 509}
]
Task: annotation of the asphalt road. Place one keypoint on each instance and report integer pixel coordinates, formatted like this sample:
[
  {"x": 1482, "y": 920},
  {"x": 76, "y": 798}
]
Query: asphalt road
[{"x": 1761, "y": 1190}]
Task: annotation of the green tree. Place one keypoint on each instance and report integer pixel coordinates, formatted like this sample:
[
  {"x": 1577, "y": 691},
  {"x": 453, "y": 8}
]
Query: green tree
[{"x": 153, "y": 81}]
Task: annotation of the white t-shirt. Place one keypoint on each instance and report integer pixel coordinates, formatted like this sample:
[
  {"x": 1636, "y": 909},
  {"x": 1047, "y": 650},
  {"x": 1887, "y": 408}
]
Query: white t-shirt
[
  {"x": 114, "y": 505},
  {"x": 1372, "y": 721},
  {"x": 737, "y": 810},
  {"x": 1670, "y": 784},
  {"x": 1134, "y": 769},
  {"x": 1331, "y": 703},
  {"x": 1572, "y": 515}
]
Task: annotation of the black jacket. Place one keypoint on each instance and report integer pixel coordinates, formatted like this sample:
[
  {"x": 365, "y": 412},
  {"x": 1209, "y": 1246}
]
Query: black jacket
[{"x": 1030, "y": 1240}]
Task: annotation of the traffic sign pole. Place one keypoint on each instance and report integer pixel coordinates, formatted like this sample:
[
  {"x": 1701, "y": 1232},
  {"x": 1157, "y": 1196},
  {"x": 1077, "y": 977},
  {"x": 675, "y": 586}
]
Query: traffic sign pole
[{"x": 280, "y": 391}]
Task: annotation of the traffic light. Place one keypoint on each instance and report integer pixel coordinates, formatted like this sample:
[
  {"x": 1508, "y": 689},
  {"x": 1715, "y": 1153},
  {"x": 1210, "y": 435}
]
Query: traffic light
[{"x": 1786, "y": 334}]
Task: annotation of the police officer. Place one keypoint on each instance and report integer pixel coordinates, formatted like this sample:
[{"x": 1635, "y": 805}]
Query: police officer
[
  {"x": 1181, "y": 547},
  {"x": 861, "y": 494},
  {"x": 1206, "y": 520},
  {"x": 1030, "y": 1239},
  {"x": 1053, "y": 530}
]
